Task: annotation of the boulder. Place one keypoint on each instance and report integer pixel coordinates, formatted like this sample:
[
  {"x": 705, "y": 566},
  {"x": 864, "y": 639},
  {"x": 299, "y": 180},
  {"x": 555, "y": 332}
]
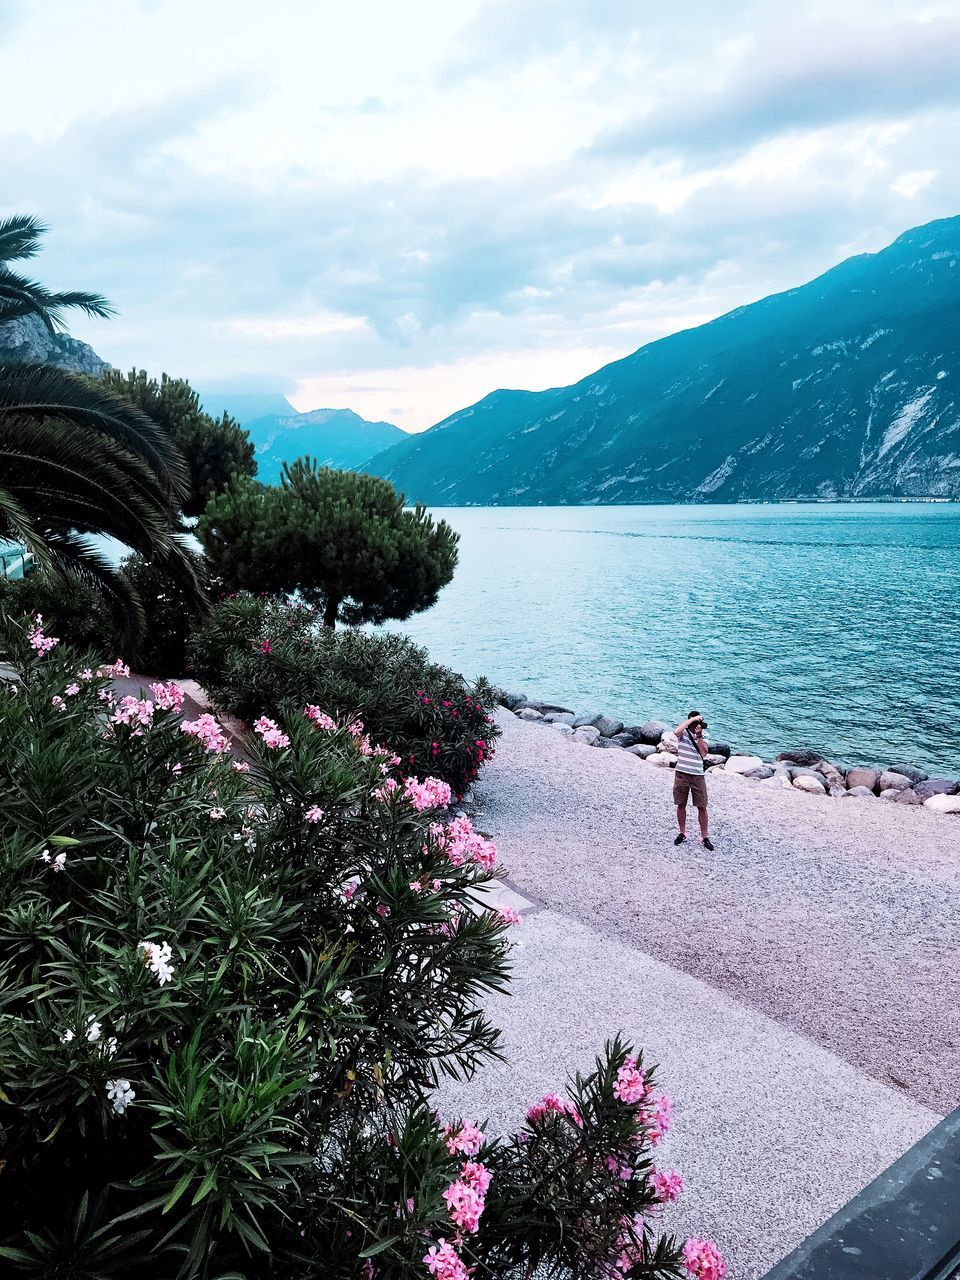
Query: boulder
[
  {"x": 586, "y": 733},
  {"x": 890, "y": 793},
  {"x": 742, "y": 764},
  {"x": 668, "y": 742},
  {"x": 651, "y": 731},
  {"x": 863, "y": 778},
  {"x": 662, "y": 758},
  {"x": 588, "y": 740},
  {"x": 631, "y": 732},
  {"x": 642, "y": 750},
  {"x": 529, "y": 713},
  {"x": 859, "y": 792},
  {"x": 907, "y": 797},
  {"x": 803, "y": 771},
  {"x": 513, "y": 701},
  {"x": 801, "y": 756},
  {"x": 560, "y": 726},
  {"x": 834, "y": 776},
  {"x": 810, "y": 782},
  {"x": 890, "y": 781},
  {"x": 580, "y": 722},
  {"x": 608, "y": 726},
  {"x": 713, "y": 757},
  {"x": 721, "y": 749},
  {"x": 765, "y": 771},
  {"x": 560, "y": 717},
  {"x": 622, "y": 739},
  {"x": 936, "y": 787},
  {"x": 604, "y": 741},
  {"x": 943, "y": 804},
  {"x": 544, "y": 707},
  {"x": 909, "y": 771}
]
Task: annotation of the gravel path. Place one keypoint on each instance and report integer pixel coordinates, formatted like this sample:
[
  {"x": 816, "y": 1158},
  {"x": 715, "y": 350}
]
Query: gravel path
[
  {"x": 837, "y": 918},
  {"x": 800, "y": 987}
]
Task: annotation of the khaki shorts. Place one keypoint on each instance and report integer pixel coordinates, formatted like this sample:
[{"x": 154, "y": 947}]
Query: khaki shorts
[{"x": 689, "y": 784}]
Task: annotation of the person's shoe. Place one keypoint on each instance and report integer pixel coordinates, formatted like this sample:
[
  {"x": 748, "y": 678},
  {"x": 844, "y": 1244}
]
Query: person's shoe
[
  {"x": 707, "y": 843},
  {"x": 680, "y": 838}
]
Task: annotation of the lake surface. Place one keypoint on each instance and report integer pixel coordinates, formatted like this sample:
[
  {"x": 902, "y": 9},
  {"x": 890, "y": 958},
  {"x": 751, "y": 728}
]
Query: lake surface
[{"x": 830, "y": 626}]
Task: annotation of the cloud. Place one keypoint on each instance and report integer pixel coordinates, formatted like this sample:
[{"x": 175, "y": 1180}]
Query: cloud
[
  {"x": 806, "y": 79},
  {"x": 399, "y": 230}
]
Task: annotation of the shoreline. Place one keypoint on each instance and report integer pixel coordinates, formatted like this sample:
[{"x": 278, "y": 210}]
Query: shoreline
[{"x": 797, "y": 768}]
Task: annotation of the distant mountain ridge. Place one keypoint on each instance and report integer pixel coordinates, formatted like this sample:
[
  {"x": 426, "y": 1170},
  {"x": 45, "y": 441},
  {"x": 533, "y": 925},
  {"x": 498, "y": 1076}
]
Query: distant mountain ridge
[
  {"x": 336, "y": 438},
  {"x": 845, "y": 387}
]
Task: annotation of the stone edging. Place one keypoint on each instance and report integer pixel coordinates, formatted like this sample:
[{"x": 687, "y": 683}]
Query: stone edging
[{"x": 801, "y": 769}]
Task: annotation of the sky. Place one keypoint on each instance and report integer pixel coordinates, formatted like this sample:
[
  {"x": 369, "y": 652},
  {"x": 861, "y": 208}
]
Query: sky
[{"x": 398, "y": 208}]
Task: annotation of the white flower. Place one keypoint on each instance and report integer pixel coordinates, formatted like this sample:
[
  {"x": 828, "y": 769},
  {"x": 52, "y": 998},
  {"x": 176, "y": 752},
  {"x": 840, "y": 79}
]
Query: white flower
[
  {"x": 59, "y": 862},
  {"x": 345, "y": 996},
  {"x": 217, "y": 814},
  {"x": 93, "y": 1030},
  {"x": 108, "y": 1048},
  {"x": 120, "y": 1094},
  {"x": 67, "y": 1036},
  {"x": 43, "y": 855},
  {"x": 157, "y": 956}
]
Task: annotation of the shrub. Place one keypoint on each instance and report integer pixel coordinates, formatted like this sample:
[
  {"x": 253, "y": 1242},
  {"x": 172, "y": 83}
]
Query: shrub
[
  {"x": 173, "y": 608},
  {"x": 72, "y": 610},
  {"x": 343, "y": 541},
  {"x": 227, "y": 994},
  {"x": 253, "y": 654}
]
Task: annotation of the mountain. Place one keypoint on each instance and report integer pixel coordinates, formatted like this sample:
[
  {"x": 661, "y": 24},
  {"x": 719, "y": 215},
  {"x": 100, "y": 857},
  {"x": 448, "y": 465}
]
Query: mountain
[
  {"x": 244, "y": 406},
  {"x": 846, "y": 387},
  {"x": 29, "y": 341},
  {"x": 334, "y": 437}
]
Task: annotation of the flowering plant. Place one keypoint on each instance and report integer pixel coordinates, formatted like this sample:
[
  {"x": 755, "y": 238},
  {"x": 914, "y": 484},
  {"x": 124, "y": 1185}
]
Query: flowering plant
[
  {"x": 254, "y": 654},
  {"x": 227, "y": 996}
]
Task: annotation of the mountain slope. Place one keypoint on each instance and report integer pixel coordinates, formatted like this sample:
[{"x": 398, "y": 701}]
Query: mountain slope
[
  {"x": 846, "y": 387},
  {"x": 29, "y": 341},
  {"x": 334, "y": 437}
]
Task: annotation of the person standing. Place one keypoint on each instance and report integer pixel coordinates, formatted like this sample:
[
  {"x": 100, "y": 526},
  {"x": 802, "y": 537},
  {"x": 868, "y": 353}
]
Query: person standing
[{"x": 689, "y": 779}]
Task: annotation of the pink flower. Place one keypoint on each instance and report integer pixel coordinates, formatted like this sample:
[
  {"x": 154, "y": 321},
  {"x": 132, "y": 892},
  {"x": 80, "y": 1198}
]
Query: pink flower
[
  {"x": 432, "y": 793},
  {"x": 133, "y": 711},
  {"x": 703, "y": 1260},
  {"x": 476, "y": 1175},
  {"x": 553, "y": 1104},
  {"x": 38, "y": 641},
  {"x": 266, "y": 646},
  {"x": 462, "y": 844},
  {"x": 661, "y": 1118},
  {"x": 444, "y": 1263},
  {"x": 348, "y": 890},
  {"x": 667, "y": 1185},
  {"x": 631, "y": 1085},
  {"x": 208, "y": 732},
  {"x": 115, "y": 670},
  {"x": 72, "y": 690},
  {"x": 383, "y": 910},
  {"x": 508, "y": 915},
  {"x": 271, "y": 733},
  {"x": 241, "y": 766},
  {"x": 168, "y": 696},
  {"x": 468, "y": 1139},
  {"x": 86, "y": 674},
  {"x": 386, "y": 789},
  {"x": 314, "y": 814},
  {"x": 464, "y": 1205},
  {"x": 58, "y": 702},
  {"x": 319, "y": 718}
]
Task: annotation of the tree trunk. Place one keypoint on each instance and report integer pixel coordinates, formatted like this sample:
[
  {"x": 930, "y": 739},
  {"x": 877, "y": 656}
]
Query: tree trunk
[{"x": 330, "y": 613}]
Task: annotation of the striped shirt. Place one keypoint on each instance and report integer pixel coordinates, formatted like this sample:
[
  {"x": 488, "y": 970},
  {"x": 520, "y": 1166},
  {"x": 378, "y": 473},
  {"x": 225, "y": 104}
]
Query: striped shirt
[{"x": 689, "y": 759}]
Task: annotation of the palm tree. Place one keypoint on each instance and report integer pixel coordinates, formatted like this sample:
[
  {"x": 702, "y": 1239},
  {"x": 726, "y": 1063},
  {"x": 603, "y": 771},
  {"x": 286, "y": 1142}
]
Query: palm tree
[{"x": 75, "y": 459}]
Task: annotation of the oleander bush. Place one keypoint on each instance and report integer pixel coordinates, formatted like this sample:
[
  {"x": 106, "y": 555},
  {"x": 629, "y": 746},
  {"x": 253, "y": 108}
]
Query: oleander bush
[
  {"x": 228, "y": 987},
  {"x": 253, "y": 654}
]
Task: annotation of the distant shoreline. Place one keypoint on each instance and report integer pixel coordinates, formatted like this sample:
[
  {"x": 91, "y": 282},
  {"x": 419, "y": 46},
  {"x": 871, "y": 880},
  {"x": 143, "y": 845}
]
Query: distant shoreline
[{"x": 706, "y": 502}]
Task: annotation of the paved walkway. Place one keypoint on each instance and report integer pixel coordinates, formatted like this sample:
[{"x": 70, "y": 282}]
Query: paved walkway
[{"x": 800, "y": 987}]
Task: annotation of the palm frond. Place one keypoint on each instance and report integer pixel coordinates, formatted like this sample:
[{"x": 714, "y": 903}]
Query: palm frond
[
  {"x": 44, "y": 392},
  {"x": 72, "y": 557},
  {"x": 20, "y": 236}
]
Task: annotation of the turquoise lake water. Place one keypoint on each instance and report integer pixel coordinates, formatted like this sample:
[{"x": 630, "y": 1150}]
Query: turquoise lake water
[{"x": 830, "y": 626}]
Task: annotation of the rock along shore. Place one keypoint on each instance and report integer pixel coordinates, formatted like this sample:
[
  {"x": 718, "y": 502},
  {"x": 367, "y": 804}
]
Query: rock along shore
[{"x": 799, "y": 769}]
